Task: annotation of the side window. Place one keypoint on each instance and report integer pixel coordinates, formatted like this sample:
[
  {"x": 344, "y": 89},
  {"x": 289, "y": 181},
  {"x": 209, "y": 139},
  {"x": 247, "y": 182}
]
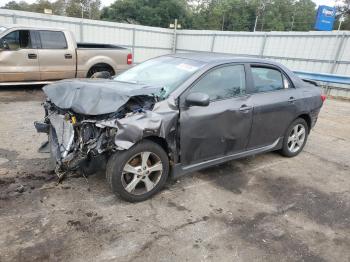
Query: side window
[
  {"x": 221, "y": 83},
  {"x": 268, "y": 79},
  {"x": 52, "y": 40},
  {"x": 16, "y": 40}
]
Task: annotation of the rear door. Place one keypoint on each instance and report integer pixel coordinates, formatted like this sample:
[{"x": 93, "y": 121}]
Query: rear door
[
  {"x": 18, "y": 57},
  {"x": 274, "y": 100},
  {"x": 57, "y": 59},
  {"x": 221, "y": 128}
]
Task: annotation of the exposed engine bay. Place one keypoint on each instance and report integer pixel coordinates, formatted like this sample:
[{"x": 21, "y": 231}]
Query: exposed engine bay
[{"x": 76, "y": 140}]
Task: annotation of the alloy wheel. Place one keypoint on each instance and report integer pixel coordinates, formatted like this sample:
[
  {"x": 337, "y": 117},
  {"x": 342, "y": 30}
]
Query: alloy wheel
[
  {"x": 296, "y": 138},
  {"x": 141, "y": 173}
]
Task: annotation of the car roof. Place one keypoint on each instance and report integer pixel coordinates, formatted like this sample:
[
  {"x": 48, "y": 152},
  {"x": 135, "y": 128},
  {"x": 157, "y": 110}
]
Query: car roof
[{"x": 207, "y": 57}]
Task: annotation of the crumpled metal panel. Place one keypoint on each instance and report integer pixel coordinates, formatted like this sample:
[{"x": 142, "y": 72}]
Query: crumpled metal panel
[
  {"x": 64, "y": 132},
  {"x": 160, "y": 122},
  {"x": 94, "y": 97}
]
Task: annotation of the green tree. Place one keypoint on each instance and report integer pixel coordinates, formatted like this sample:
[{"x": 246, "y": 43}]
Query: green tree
[
  {"x": 86, "y": 8},
  {"x": 304, "y": 15},
  {"x": 286, "y": 15},
  {"x": 343, "y": 11},
  {"x": 40, "y": 5},
  {"x": 232, "y": 15},
  {"x": 147, "y": 12},
  {"x": 59, "y": 7},
  {"x": 13, "y": 5},
  {"x": 239, "y": 15},
  {"x": 73, "y": 8}
]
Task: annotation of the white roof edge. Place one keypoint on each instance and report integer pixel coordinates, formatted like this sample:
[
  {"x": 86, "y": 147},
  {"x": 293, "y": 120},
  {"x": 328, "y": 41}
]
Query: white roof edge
[{"x": 10, "y": 26}]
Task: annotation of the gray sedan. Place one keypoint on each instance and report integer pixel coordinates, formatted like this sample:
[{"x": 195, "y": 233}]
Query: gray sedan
[{"x": 175, "y": 114}]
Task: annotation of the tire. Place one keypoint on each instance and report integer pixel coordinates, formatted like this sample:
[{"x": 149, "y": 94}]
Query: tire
[
  {"x": 102, "y": 75},
  {"x": 137, "y": 185},
  {"x": 100, "y": 68},
  {"x": 298, "y": 126},
  {"x": 93, "y": 165}
]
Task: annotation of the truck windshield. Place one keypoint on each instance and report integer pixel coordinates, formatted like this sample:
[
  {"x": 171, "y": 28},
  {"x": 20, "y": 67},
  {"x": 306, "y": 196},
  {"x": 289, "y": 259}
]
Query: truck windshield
[{"x": 166, "y": 72}]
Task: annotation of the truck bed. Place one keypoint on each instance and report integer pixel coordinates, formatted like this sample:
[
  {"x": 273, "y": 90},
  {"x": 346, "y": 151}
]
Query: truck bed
[{"x": 97, "y": 46}]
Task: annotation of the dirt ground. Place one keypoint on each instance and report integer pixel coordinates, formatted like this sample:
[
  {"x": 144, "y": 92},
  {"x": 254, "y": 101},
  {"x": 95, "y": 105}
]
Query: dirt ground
[{"x": 262, "y": 208}]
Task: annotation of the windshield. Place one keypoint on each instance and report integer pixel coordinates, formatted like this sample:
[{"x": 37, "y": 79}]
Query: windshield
[
  {"x": 2, "y": 29},
  {"x": 167, "y": 72}
]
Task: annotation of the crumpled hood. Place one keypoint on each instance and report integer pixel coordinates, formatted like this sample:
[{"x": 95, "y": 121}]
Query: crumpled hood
[{"x": 94, "y": 97}]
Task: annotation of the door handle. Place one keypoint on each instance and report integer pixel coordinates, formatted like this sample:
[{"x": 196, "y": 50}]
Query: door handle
[
  {"x": 32, "y": 56},
  {"x": 245, "y": 108},
  {"x": 68, "y": 56},
  {"x": 291, "y": 99}
]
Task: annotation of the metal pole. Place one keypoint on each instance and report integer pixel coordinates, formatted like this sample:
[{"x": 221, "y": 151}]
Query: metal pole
[
  {"x": 175, "y": 37},
  {"x": 81, "y": 27},
  {"x": 262, "y": 49},
  {"x": 212, "y": 43},
  {"x": 291, "y": 28},
  {"x": 340, "y": 22},
  {"x": 223, "y": 22},
  {"x": 337, "y": 54},
  {"x": 133, "y": 43},
  {"x": 14, "y": 18},
  {"x": 256, "y": 22},
  {"x": 335, "y": 61},
  {"x": 293, "y": 18}
]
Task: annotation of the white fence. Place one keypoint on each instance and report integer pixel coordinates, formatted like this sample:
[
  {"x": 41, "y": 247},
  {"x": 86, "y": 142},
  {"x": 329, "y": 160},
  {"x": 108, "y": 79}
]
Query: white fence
[{"x": 323, "y": 52}]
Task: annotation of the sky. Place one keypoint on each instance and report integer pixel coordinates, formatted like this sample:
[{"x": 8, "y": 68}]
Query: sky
[{"x": 108, "y": 2}]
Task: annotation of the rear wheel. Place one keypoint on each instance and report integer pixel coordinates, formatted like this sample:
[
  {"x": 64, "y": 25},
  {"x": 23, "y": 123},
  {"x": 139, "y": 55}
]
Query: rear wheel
[
  {"x": 100, "y": 68},
  {"x": 138, "y": 173},
  {"x": 295, "y": 138}
]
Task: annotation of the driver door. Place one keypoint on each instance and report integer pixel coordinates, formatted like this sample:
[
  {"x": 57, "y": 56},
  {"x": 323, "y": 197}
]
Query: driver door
[
  {"x": 18, "y": 57},
  {"x": 221, "y": 128}
]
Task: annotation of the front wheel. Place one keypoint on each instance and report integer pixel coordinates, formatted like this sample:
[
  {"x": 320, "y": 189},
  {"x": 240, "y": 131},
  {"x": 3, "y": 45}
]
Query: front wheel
[
  {"x": 138, "y": 173},
  {"x": 295, "y": 138}
]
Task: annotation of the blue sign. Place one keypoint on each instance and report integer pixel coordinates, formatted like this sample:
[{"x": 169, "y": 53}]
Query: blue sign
[{"x": 325, "y": 18}]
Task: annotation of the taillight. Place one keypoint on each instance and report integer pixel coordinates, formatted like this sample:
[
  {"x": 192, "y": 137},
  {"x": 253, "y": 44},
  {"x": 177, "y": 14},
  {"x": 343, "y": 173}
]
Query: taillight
[
  {"x": 129, "y": 59},
  {"x": 323, "y": 97}
]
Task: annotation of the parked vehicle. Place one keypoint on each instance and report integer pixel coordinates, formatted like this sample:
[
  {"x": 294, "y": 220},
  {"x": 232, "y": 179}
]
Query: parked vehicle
[
  {"x": 42, "y": 55},
  {"x": 176, "y": 114}
]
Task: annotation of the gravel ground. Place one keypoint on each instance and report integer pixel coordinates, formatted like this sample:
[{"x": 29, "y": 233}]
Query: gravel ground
[{"x": 262, "y": 208}]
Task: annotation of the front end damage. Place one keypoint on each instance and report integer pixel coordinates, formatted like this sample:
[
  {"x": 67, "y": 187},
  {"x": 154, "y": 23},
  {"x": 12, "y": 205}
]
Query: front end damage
[{"x": 79, "y": 141}]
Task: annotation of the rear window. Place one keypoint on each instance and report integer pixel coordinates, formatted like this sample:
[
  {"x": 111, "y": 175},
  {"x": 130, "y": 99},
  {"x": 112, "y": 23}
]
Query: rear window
[
  {"x": 267, "y": 79},
  {"x": 52, "y": 40}
]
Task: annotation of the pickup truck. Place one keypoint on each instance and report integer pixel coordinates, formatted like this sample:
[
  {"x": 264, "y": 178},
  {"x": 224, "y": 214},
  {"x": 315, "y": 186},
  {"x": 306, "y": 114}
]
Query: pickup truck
[{"x": 31, "y": 55}]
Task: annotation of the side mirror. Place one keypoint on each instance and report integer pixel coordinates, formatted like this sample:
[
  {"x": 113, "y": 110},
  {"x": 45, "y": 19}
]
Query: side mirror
[
  {"x": 4, "y": 45},
  {"x": 197, "y": 99}
]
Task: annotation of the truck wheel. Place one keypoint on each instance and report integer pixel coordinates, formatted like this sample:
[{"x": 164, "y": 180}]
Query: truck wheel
[
  {"x": 100, "y": 68},
  {"x": 138, "y": 173},
  {"x": 295, "y": 138},
  {"x": 102, "y": 75}
]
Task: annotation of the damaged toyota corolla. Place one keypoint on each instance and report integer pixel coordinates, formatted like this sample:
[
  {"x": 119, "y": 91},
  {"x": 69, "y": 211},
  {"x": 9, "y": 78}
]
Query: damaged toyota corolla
[{"x": 175, "y": 114}]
